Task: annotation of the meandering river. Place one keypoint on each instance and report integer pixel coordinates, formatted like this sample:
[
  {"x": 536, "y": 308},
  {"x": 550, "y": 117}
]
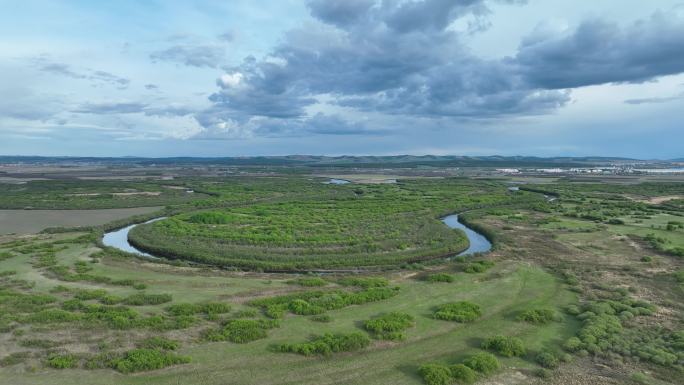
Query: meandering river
[
  {"x": 119, "y": 238},
  {"x": 478, "y": 242}
]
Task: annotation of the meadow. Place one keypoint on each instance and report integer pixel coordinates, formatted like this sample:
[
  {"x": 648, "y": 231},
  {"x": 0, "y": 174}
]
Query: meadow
[{"x": 583, "y": 289}]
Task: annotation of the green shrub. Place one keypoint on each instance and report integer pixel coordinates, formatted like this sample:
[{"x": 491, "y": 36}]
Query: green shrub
[
  {"x": 142, "y": 299},
  {"x": 538, "y": 316},
  {"x": 462, "y": 374},
  {"x": 478, "y": 267},
  {"x": 679, "y": 276},
  {"x": 547, "y": 359},
  {"x": 462, "y": 311},
  {"x": 434, "y": 374},
  {"x": 62, "y": 361},
  {"x": 440, "y": 277},
  {"x": 302, "y": 307},
  {"x": 573, "y": 344},
  {"x": 139, "y": 360},
  {"x": 390, "y": 326},
  {"x": 242, "y": 330},
  {"x": 159, "y": 343},
  {"x": 365, "y": 283},
  {"x": 197, "y": 308},
  {"x": 484, "y": 363},
  {"x": 327, "y": 344},
  {"x": 505, "y": 346}
]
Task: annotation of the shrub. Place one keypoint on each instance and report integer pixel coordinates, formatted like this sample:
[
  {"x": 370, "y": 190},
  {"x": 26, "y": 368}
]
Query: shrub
[
  {"x": 365, "y": 283},
  {"x": 159, "y": 343},
  {"x": 478, "y": 267},
  {"x": 462, "y": 374},
  {"x": 505, "y": 346},
  {"x": 241, "y": 331},
  {"x": 62, "y": 361},
  {"x": 302, "y": 307},
  {"x": 327, "y": 344},
  {"x": 196, "y": 308},
  {"x": 538, "y": 316},
  {"x": 138, "y": 360},
  {"x": 548, "y": 359},
  {"x": 389, "y": 326},
  {"x": 434, "y": 374},
  {"x": 141, "y": 299},
  {"x": 484, "y": 363},
  {"x": 440, "y": 277},
  {"x": 573, "y": 344},
  {"x": 462, "y": 311}
]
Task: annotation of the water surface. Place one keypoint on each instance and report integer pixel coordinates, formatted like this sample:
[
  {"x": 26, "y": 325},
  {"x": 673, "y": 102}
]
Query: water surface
[
  {"x": 478, "y": 242},
  {"x": 119, "y": 239}
]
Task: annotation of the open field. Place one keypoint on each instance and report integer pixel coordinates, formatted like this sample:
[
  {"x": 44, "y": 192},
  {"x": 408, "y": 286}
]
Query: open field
[
  {"x": 586, "y": 284},
  {"x": 33, "y": 221}
]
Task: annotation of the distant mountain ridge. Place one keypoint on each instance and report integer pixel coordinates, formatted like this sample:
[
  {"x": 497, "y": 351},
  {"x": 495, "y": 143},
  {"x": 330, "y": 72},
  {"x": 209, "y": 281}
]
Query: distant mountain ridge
[{"x": 340, "y": 161}]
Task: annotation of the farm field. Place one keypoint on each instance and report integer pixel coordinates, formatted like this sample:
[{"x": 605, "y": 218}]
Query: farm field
[
  {"x": 33, "y": 221},
  {"x": 586, "y": 287}
]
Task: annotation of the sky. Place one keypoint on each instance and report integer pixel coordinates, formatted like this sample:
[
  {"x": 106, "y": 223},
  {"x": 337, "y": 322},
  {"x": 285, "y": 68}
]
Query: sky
[{"x": 164, "y": 78}]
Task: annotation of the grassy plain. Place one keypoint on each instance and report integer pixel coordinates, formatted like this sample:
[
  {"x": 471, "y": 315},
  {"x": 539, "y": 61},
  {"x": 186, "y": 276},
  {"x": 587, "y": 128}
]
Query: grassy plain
[{"x": 586, "y": 259}]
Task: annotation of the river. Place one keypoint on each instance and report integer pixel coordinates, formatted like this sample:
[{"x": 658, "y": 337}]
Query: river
[
  {"x": 478, "y": 242},
  {"x": 119, "y": 238}
]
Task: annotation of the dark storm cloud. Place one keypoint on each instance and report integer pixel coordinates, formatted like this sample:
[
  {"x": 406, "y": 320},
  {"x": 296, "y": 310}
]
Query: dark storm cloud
[
  {"x": 599, "y": 52},
  {"x": 335, "y": 125},
  {"x": 401, "y": 58},
  {"x": 191, "y": 55}
]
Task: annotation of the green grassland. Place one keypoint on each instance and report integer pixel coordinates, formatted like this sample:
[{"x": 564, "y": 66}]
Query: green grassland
[
  {"x": 501, "y": 292},
  {"x": 79, "y": 194},
  {"x": 588, "y": 287}
]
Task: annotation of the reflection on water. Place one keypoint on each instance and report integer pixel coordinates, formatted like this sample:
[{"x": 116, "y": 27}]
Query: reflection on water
[
  {"x": 337, "y": 181},
  {"x": 119, "y": 239},
  {"x": 478, "y": 242}
]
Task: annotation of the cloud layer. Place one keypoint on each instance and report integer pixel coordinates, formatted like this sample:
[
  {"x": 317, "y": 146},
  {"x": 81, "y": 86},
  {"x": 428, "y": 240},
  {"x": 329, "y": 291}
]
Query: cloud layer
[{"x": 404, "y": 58}]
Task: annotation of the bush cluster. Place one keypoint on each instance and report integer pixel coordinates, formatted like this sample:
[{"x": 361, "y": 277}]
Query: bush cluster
[
  {"x": 242, "y": 331},
  {"x": 198, "y": 308},
  {"x": 364, "y": 282},
  {"x": 505, "y": 346},
  {"x": 62, "y": 361},
  {"x": 478, "y": 267},
  {"x": 159, "y": 343},
  {"x": 390, "y": 326},
  {"x": 478, "y": 365},
  {"x": 462, "y": 311},
  {"x": 327, "y": 344},
  {"x": 317, "y": 302},
  {"x": 139, "y": 360},
  {"x": 440, "y": 277},
  {"x": 142, "y": 299},
  {"x": 538, "y": 316}
]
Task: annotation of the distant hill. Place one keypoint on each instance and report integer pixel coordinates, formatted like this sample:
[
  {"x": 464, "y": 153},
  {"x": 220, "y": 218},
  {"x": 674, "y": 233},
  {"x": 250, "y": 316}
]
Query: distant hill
[{"x": 406, "y": 161}]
